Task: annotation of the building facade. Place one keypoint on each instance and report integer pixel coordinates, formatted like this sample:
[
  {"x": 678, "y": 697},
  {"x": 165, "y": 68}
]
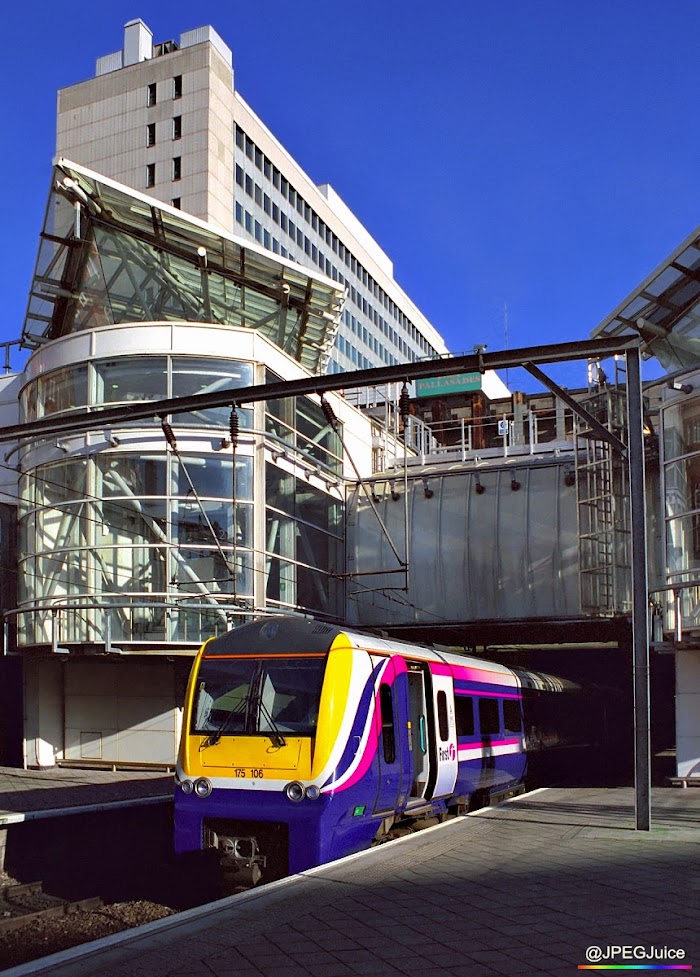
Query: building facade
[{"x": 166, "y": 119}]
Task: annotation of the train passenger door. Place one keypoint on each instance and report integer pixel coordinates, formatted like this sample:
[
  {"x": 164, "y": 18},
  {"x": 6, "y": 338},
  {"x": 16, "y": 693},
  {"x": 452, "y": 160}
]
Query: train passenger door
[
  {"x": 445, "y": 775},
  {"x": 419, "y": 731},
  {"x": 433, "y": 733},
  {"x": 391, "y": 719}
]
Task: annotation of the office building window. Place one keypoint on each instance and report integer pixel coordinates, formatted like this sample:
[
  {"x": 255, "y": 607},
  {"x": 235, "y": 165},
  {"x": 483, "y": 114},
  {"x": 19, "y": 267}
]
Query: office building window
[
  {"x": 177, "y": 86},
  {"x": 177, "y": 203},
  {"x": 177, "y": 167},
  {"x": 151, "y": 134},
  {"x": 177, "y": 127},
  {"x": 151, "y": 175},
  {"x": 151, "y": 95}
]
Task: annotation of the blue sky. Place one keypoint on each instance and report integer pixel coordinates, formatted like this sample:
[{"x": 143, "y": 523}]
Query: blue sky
[{"x": 524, "y": 164}]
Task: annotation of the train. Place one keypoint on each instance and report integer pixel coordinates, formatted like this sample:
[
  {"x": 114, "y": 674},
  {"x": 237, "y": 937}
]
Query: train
[{"x": 304, "y": 741}]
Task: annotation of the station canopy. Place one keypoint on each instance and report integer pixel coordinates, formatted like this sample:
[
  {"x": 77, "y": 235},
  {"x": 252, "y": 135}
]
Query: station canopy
[
  {"x": 110, "y": 255},
  {"x": 665, "y": 310}
]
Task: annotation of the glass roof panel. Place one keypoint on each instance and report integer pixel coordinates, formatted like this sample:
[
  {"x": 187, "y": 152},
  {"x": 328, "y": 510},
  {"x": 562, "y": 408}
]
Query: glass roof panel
[
  {"x": 109, "y": 254},
  {"x": 663, "y": 281},
  {"x": 669, "y": 301},
  {"x": 690, "y": 259}
]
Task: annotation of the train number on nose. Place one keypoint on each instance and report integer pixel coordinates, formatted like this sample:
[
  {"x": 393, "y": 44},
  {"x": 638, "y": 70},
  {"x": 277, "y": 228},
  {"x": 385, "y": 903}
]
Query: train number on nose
[{"x": 255, "y": 773}]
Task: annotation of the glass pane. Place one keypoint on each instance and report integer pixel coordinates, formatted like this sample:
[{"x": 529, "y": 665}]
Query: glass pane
[
  {"x": 290, "y": 695},
  {"x": 212, "y": 477},
  {"x": 138, "y": 569},
  {"x": 488, "y": 717},
  {"x": 317, "y": 439},
  {"x": 61, "y": 390},
  {"x": 221, "y": 700},
  {"x": 258, "y": 696},
  {"x": 205, "y": 571},
  {"x": 127, "y": 522},
  {"x": 190, "y": 524},
  {"x": 198, "y": 375},
  {"x": 131, "y": 379},
  {"x": 131, "y": 476}
]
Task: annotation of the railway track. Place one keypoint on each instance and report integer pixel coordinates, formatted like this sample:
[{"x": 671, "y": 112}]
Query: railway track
[
  {"x": 25, "y": 903},
  {"x": 34, "y": 923}
]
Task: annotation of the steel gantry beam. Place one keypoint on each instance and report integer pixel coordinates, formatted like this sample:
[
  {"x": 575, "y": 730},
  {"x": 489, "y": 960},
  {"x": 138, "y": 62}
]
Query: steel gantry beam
[{"x": 480, "y": 362}]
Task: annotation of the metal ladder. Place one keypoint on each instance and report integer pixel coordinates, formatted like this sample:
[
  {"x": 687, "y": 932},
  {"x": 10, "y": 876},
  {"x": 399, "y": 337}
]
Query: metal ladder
[{"x": 603, "y": 510}]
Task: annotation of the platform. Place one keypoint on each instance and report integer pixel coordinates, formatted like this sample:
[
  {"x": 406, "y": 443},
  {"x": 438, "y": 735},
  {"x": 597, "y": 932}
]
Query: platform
[
  {"x": 29, "y": 794},
  {"x": 523, "y": 888}
]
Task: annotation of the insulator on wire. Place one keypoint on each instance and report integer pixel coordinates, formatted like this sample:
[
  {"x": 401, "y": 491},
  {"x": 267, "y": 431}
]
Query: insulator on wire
[
  {"x": 404, "y": 403},
  {"x": 233, "y": 427},
  {"x": 169, "y": 435},
  {"x": 328, "y": 413}
]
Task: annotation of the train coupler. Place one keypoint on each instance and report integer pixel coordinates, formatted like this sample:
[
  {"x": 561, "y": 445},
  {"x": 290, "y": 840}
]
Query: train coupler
[{"x": 241, "y": 860}]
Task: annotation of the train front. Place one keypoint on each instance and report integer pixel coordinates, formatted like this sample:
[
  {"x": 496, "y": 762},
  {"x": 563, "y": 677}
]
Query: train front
[{"x": 246, "y": 763}]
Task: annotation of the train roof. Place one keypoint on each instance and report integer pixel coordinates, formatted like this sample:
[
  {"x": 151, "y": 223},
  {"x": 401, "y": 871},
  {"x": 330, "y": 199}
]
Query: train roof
[{"x": 294, "y": 635}]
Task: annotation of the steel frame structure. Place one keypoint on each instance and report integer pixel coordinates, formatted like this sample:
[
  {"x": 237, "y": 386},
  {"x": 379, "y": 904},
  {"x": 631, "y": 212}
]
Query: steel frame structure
[{"x": 480, "y": 361}]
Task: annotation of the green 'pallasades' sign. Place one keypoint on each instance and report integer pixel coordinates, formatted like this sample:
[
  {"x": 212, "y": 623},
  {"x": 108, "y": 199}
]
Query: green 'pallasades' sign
[{"x": 457, "y": 384}]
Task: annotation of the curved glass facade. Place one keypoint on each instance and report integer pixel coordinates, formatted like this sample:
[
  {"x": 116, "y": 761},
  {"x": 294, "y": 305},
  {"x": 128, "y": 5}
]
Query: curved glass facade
[
  {"x": 681, "y": 481},
  {"x": 124, "y": 540}
]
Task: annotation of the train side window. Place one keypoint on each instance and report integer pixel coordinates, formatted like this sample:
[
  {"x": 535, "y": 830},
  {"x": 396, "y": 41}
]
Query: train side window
[
  {"x": 443, "y": 726},
  {"x": 511, "y": 716},
  {"x": 386, "y": 707},
  {"x": 489, "y": 721},
  {"x": 464, "y": 715}
]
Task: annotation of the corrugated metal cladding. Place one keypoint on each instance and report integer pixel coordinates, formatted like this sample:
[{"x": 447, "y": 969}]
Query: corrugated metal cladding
[
  {"x": 201, "y": 34},
  {"x": 509, "y": 551},
  {"x": 109, "y": 62}
]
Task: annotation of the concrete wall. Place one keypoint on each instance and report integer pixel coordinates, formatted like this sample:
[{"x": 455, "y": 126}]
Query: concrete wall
[{"x": 688, "y": 713}]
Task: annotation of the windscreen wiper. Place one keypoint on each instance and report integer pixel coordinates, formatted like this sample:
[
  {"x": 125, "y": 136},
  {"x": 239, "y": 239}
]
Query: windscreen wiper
[
  {"x": 274, "y": 733},
  {"x": 236, "y": 713}
]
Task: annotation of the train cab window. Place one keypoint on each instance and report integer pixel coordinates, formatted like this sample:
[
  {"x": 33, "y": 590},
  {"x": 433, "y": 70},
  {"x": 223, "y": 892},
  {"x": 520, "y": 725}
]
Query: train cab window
[
  {"x": 386, "y": 707},
  {"x": 511, "y": 716},
  {"x": 222, "y": 696},
  {"x": 443, "y": 726},
  {"x": 489, "y": 721},
  {"x": 464, "y": 715},
  {"x": 248, "y": 695}
]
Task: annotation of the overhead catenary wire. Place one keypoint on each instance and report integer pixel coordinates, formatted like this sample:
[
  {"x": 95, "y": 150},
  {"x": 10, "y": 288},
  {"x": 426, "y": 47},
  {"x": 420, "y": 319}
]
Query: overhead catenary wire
[
  {"x": 172, "y": 442},
  {"x": 335, "y": 426}
]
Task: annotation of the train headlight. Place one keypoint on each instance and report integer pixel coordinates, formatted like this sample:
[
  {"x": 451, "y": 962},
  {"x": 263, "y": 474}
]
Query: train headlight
[
  {"x": 294, "y": 791},
  {"x": 313, "y": 792},
  {"x": 186, "y": 786},
  {"x": 202, "y": 787}
]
